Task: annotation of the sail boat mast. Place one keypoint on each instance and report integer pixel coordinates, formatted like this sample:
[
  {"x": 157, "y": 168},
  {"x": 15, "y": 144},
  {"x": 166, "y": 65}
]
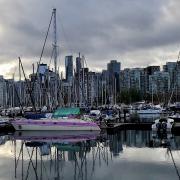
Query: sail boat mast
[
  {"x": 55, "y": 41},
  {"x": 55, "y": 55}
]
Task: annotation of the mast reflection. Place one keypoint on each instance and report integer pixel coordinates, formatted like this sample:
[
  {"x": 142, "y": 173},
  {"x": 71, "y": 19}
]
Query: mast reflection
[{"x": 78, "y": 156}]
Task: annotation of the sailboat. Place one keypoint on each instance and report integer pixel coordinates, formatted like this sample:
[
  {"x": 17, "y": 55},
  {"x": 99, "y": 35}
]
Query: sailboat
[{"x": 53, "y": 124}]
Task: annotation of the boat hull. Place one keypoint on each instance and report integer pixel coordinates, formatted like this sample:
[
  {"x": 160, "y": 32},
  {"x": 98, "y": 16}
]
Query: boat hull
[
  {"x": 155, "y": 112},
  {"x": 54, "y": 125}
]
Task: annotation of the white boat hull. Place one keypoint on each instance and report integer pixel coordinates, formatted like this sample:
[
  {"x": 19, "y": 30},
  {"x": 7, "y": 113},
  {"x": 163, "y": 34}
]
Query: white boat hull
[
  {"x": 53, "y": 128},
  {"x": 156, "y": 112},
  {"x": 54, "y": 125},
  {"x": 162, "y": 126}
]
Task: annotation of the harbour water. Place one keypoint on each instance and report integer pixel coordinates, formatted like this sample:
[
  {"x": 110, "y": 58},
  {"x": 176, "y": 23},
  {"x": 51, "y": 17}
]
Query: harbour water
[{"x": 125, "y": 155}]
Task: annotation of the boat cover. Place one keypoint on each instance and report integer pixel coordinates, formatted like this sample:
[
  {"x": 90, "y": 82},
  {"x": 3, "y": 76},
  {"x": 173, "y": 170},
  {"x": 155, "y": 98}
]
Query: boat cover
[{"x": 66, "y": 112}]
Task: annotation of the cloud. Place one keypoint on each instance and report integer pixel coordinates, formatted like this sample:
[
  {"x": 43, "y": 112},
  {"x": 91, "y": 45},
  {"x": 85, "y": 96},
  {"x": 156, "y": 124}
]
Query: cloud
[{"x": 139, "y": 31}]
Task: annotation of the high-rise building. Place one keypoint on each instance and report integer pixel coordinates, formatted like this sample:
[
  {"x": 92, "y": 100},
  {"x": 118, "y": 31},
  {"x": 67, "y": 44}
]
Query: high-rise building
[
  {"x": 83, "y": 87},
  {"x": 42, "y": 68},
  {"x": 78, "y": 64},
  {"x": 131, "y": 78},
  {"x": 125, "y": 79},
  {"x": 147, "y": 72},
  {"x": 159, "y": 82},
  {"x": 113, "y": 69},
  {"x": 69, "y": 67},
  {"x": 135, "y": 78},
  {"x": 171, "y": 67},
  {"x": 2, "y": 93}
]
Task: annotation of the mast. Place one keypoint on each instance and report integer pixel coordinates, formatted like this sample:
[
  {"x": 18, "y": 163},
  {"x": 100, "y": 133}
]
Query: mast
[
  {"x": 55, "y": 55},
  {"x": 55, "y": 41},
  {"x": 20, "y": 85}
]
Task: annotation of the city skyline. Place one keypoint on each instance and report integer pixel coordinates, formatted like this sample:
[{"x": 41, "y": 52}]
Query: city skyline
[{"x": 137, "y": 34}]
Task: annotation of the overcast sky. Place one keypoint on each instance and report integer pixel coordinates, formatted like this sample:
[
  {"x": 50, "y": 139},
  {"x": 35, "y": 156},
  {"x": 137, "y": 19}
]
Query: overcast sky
[{"x": 136, "y": 33}]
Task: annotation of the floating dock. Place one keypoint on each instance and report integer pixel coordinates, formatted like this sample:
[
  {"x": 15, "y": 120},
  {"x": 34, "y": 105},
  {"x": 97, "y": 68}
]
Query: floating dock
[{"x": 114, "y": 127}]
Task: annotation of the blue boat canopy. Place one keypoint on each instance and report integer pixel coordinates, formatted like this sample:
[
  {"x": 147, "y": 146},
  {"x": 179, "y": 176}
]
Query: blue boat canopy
[{"x": 65, "y": 112}]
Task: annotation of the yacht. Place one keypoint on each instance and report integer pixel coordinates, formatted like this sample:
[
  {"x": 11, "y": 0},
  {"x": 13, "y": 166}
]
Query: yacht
[
  {"x": 150, "y": 110},
  {"x": 163, "y": 125},
  {"x": 51, "y": 124}
]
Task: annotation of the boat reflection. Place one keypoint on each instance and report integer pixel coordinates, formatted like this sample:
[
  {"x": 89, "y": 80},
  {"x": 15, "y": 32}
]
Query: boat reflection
[
  {"x": 42, "y": 155},
  {"x": 55, "y": 136},
  {"x": 78, "y": 155},
  {"x": 3, "y": 139}
]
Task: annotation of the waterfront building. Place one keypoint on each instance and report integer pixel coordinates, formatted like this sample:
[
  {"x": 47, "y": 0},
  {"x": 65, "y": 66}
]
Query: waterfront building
[
  {"x": 76, "y": 79},
  {"x": 2, "y": 92},
  {"x": 113, "y": 69},
  {"x": 170, "y": 67},
  {"x": 135, "y": 78},
  {"x": 44, "y": 88},
  {"x": 159, "y": 84},
  {"x": 173, "y": 68},
  {"x": 131, "y": 78},
  {"x": 78, "y": 64},
  {"x": 92, "y": 93},
  {"x": 67, "y": 93},
  {"x": 83, "y": 87},
  {"x": 150, "y": 70},
  {"x": 69, "y": 68},
  {"x": 103, "y": 82},
  {"x": 125, "y": 82}
]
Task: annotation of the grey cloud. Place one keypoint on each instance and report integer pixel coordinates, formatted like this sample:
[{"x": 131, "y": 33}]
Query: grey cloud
[{"x": 100, "y": 29}]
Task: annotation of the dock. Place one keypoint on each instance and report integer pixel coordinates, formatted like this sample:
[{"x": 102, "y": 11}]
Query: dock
[
  {"x": 176, "y": 128},
  {"x": 114, "y": 127}
]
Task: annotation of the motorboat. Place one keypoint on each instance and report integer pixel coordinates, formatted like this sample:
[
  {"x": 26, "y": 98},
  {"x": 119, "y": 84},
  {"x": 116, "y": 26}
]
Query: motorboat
[
  {"x": 150, "y": 110},
  {"x": 50, "y": 124},
  {"x": 162, "y": 125},
  {"x": 146, "y": 109},
  {"x": 4, "y": 121},
  {"x": 95, "y": 114}
]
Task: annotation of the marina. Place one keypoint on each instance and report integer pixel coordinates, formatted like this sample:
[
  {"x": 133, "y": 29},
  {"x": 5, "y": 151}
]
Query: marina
[{"x": 85, "y": 93}]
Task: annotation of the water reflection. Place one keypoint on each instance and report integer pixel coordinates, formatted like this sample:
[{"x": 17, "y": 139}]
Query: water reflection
[{"x": 86, "y": 156}]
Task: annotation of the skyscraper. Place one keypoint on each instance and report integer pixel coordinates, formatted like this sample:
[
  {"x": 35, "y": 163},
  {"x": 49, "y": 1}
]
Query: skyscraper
[
  {"x": 69, "y": 67},
  {"x": 78, "y": 64},
  {"x": 113, "y": 69}
]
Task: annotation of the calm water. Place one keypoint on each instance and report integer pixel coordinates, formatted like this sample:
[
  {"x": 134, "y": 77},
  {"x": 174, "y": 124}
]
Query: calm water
[{"x": 128, "y": 155}]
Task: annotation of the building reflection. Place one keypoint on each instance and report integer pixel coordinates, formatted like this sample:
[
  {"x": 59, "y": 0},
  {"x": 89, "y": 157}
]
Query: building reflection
[{"x": 75, "y": 157}]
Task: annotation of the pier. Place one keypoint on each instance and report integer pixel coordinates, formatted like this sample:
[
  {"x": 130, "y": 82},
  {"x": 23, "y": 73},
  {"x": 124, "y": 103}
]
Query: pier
[{"x": 114, "y": 127}]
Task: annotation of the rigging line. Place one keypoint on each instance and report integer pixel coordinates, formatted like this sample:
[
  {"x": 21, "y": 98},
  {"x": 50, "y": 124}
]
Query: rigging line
[
  {"x": 45, "y": 40},
  {"x": 44, "y": 166},
  {"x": 51, "y": 57},
  {"x": 47, "y": 33},
  {"x": 31, "y": 162},
  {"x": 177, "y": 171},
  {"x": 30, "y": 92}
]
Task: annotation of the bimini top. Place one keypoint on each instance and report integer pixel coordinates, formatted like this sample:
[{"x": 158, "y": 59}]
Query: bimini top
[{"x": 66, "y": 112}]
